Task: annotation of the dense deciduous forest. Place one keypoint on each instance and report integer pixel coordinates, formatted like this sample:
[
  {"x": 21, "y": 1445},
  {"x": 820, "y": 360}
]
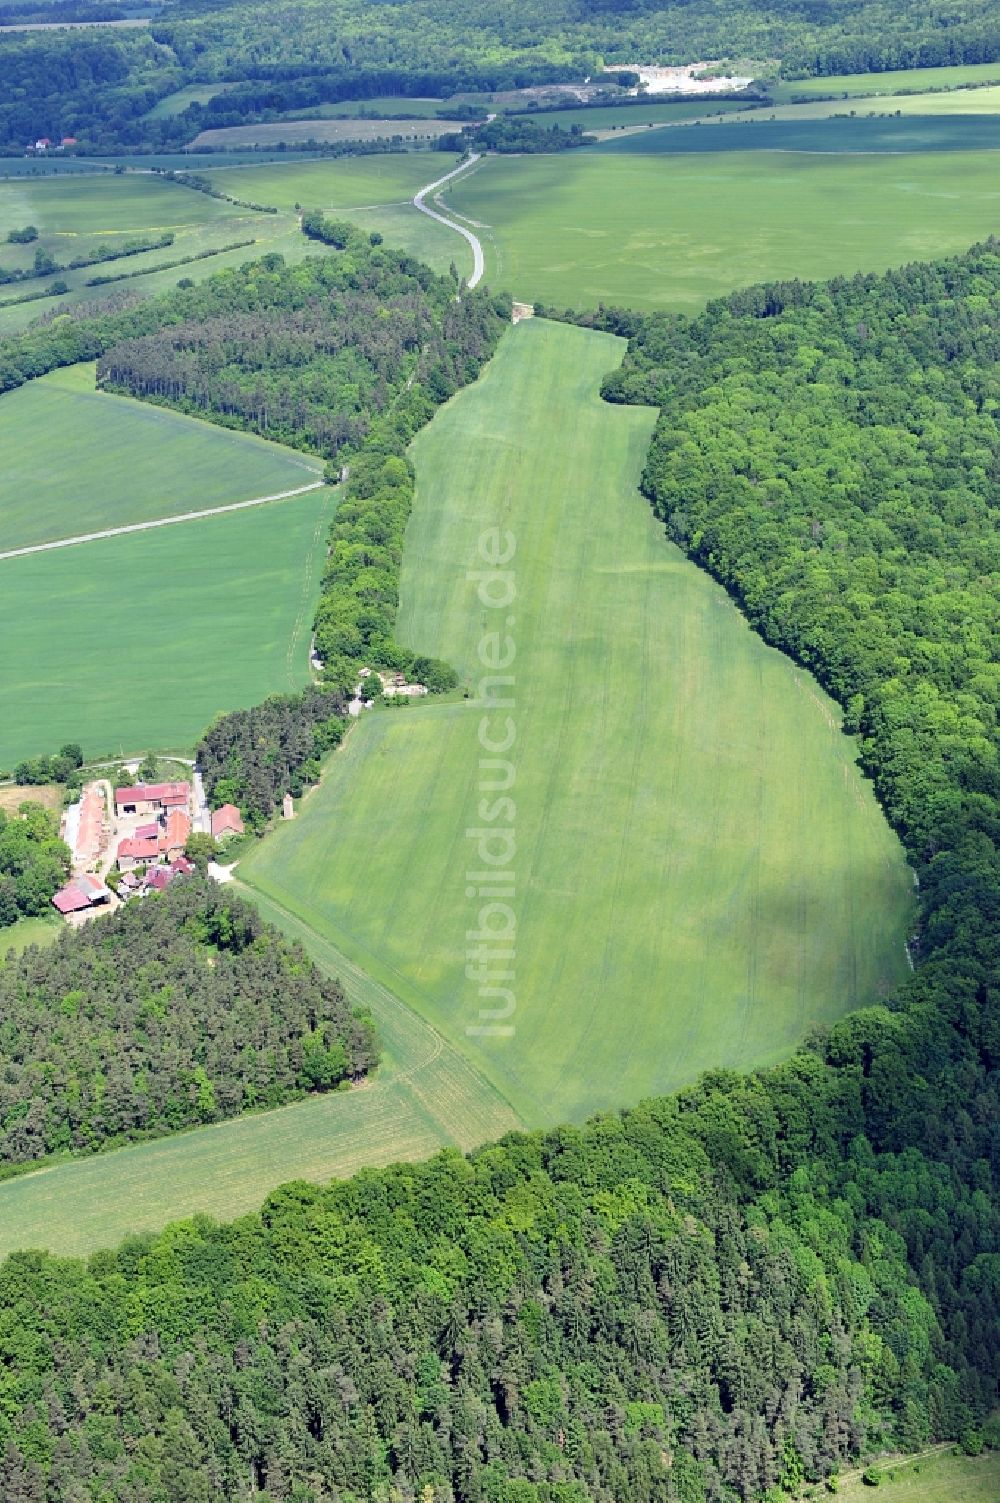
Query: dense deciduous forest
[
  {"x": 182, "y": 1009},
  {"x": 100, "y": 85},
  {"x": 722, "y": 1294},
  {"x": 34, "y": 862}
]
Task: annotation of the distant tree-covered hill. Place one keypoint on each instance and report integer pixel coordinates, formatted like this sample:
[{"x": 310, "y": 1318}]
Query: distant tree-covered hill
[{"x": 99, "y": 85}]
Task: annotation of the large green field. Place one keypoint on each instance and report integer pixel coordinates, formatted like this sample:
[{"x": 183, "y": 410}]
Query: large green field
[
  {"x": 701, "y": 873},
  {"x": 671, "y": 232},
  {"x": 140, "y": 640},
  {"x": 77, "y": 460}
]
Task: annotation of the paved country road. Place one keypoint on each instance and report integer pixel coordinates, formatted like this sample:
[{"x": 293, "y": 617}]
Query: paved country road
[
  {"x": 184, "y": 516},
  {"x": 478, "y": 264}
]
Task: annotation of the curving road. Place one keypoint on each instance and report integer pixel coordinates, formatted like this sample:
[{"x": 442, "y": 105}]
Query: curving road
[
  {"x": 478, "y": 263},
  {"x": 184, "y": 516}
]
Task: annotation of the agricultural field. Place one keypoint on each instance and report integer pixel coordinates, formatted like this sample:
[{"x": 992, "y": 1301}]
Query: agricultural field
[
  {"x": 657, "y": 231},
  {"x": 701, "y": 873},
  {"x": 904, "y": 80},
  {"x": 337, "y": 185},
  {"x": 864, "y": 132},
  {"x": 177, "y": 103},
  {"x": 984, "y": 100},
  {"x": 76, "y": 214},
  {"x": 318, "y": 129},
  {"x": 144, "y": 638},
  {"x": 77, "y": 460}
]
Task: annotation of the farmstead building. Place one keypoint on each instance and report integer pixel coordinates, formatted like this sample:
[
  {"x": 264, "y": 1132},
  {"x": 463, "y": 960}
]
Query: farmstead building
[{"x": 151, "y": 798}]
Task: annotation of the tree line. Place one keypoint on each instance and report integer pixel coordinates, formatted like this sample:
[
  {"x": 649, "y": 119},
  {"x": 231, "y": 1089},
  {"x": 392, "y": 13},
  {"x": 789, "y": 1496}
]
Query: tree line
[{"x": 179, "y": 1010}]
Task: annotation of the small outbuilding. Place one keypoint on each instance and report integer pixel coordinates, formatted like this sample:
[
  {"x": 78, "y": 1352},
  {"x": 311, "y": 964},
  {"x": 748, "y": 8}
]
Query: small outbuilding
[{"x": 227, "y": 821}]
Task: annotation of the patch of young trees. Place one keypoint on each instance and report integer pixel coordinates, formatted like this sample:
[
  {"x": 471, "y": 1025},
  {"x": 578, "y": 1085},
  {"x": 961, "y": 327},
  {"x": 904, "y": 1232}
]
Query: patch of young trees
[
  {"x": 34, "y": 862},
  {"x": 181, "y": 1009}
]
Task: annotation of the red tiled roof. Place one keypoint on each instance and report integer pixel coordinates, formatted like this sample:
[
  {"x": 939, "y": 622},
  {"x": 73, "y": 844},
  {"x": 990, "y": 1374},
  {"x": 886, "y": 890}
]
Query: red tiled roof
[
  {"x": 159, "y": 878},
  {"x": 70, "y": 899},
  {"x": 227, "y": 818},
  {"x": 182, "y": 865},
  {"x": 138, "y": 850},
  {"x": 147, "y": 832},
  {"x": 162, "y": 793},
  {"x": 178, "y": 828}
]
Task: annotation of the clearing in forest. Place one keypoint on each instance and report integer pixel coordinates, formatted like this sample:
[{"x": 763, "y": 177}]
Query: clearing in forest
[
  {"x": 700, "y": 872},
  {"x": 77, "y": 460}
]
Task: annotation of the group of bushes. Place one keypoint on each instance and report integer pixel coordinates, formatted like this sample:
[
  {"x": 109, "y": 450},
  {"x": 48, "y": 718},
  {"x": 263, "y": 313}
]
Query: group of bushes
[{"x": 34, "y": 862}]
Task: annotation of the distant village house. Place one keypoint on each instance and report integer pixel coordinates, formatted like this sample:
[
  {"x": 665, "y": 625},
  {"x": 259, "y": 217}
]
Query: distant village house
[{"x": 81, "y": 895}]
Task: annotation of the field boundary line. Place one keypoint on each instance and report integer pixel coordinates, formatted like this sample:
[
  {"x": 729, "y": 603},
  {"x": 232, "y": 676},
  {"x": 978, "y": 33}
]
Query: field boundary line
[
  {"x": 478, "y": 260},
  {"x": 184, "y": 516}
]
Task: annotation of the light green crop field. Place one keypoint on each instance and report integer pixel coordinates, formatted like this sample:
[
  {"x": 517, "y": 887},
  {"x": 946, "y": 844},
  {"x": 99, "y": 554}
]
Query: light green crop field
[
  {"x": 104, "y": 204},
  {"x": 984, "y": 100},
  {"x": 918, "y": 80},
  {"x": 342, "y": 184},
  {"x": 140, "y": 640},
  {"x": 671, "y": 232},
  {"x": 700, "y": 871},
  {"x": 177, "y": 103},
  {"x": 77, "y": 460},
  {"x": 942, "y": 1478}
]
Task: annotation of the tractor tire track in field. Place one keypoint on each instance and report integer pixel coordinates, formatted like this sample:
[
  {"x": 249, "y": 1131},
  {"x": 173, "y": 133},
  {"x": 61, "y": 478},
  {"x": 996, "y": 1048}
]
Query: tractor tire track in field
[
  {"x": 478, "y": 260},
  {"x": 184, "y": 516}
]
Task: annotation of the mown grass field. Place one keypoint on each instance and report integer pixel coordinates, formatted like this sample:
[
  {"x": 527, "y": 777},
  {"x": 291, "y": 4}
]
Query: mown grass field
[
  {"x": 671, "y": 232},
  {"x": 77, "y": 460},
  {"x": 701, "y": 873},
  {"x": 943, "y": 1478},
  {"x": 140, "y": 640}
]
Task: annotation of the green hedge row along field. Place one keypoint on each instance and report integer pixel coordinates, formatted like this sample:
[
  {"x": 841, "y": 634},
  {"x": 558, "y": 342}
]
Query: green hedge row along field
[
  {"x": 77, "y": 460},
  {"x": 700, "y": 872},
  {"x": 144, "y": 638},
  {"x": 672, "y": 232}
]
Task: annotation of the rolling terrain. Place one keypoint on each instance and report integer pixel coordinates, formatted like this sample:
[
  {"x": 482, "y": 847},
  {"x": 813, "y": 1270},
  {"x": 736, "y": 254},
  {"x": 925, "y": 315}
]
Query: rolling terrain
[{"x": 663, "y": 231}]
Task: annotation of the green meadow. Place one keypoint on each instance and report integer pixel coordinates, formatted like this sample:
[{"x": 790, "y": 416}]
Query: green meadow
[
  {"x": 77, "y": 460},
  {"x": 701, "y": 874},
  {"x": 140, "y": 640},
  {"x": 946, "y": 1477},
  {"x": 340, "y": 184},
  {"x": 667, "y": 231},
  {"x": 866, "y": 132},
  {"x": 316, "y": 128}
]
